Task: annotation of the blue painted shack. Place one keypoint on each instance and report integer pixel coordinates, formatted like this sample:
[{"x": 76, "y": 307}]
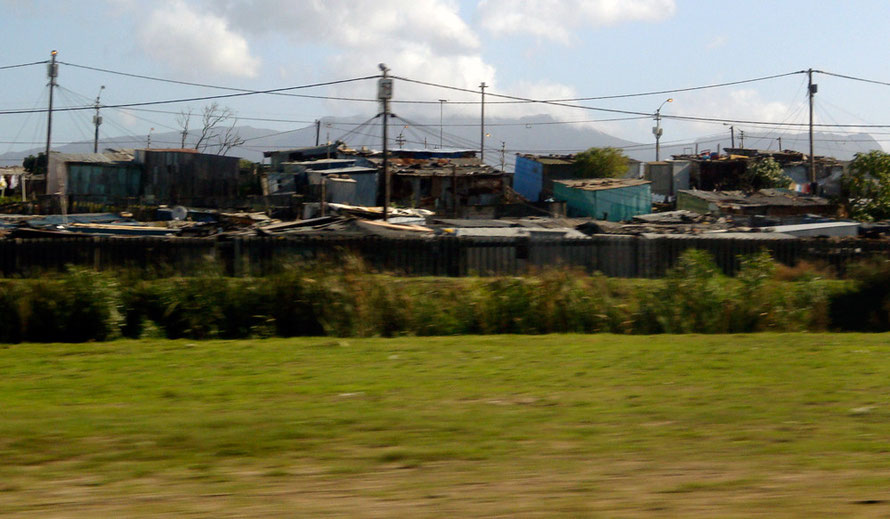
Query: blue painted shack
[
  {"x": 613, "y": 199},
  {"x": 534, "y": 174}
]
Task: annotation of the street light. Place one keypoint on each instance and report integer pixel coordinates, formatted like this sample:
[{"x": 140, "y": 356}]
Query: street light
[
  {"x": 441, "y": 105},
  {"x": 657, "y": 129}
]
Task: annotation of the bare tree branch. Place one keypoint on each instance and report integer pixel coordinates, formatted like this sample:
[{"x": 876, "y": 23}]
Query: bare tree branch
[{"x": 182, "y": 120}]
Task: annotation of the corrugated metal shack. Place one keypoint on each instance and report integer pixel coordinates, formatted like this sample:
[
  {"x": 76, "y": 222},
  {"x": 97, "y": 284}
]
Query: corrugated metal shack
[
  {"x": 325, "y": 151},
  {"x": 432, "y": 184},
  {"x": 186, "y": 177},
  {"x": 534, "y": 174},
  {"x": 612, "y": 199},
  {"x": 103, "y": 177},
  {"x": 667, "y": 177}
]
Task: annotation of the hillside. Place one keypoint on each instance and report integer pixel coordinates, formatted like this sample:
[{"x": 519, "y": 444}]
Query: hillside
[{"x": 537, "y": 134}]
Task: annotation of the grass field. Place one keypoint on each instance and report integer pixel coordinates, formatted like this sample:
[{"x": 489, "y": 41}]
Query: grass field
[{"x": 505, "y": 426}]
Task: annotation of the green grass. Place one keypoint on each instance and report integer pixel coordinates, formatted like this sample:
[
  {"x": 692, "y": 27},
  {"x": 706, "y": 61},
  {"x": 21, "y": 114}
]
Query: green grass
[{"x": 556, "y": 425}]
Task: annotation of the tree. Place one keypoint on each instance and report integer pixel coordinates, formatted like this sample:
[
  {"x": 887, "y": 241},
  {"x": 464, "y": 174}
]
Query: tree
[
  {"x": 765, "y": 174},
  {"x": 215, "y": 132},
  {"x": 183, "y": 120},
  {"x": 601, "y": 163},
  {"x": 35, "y": 165},
  {"x": 866, "y": 186}
]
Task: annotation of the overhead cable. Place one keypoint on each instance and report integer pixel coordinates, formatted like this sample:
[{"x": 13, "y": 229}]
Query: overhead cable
[
  {"x": 190, "y": 99},
  {"x": 7, "y": 67}
]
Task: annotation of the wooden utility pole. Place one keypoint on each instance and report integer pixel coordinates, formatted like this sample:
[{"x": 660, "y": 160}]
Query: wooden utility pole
[
  {"x": 324, "y": 194},
  {"x": 812, "y": 89},
  {"x": 384, "y": 94},
  {"x": 482, "y": 87},
  {"x": 317, "y": 131},
  {"x": 454, "y": 191},
  {"x": 52, "y": 72},
  {"x": 97, "y": 120}
]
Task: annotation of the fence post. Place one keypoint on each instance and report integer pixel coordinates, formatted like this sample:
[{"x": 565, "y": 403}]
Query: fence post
[{"x": 97, "y": 255}]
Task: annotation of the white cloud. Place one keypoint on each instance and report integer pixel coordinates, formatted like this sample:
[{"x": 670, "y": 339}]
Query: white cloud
[
  {"x": 558, "y": 19},
  {"x": 421, "y": 39},
  {"x": 358, "y": 23},
  {"x": 194, "y": 42}
]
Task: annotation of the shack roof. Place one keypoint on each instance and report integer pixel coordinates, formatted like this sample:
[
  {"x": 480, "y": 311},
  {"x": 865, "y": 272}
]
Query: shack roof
[
  {"x": 106, "y": 157},
  {"x": 307, "y": 150},
  {"x": 764, "y": 197},
  {"x": 318, "y": 162},
  {"x": 599, "y": 184},
  {"x": 350, "y": 170},
  {"x": 440, "y": 168},
  {"x": 552, "y": 160}
]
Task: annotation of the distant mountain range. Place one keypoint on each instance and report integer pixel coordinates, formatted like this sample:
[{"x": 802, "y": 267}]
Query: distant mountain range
[{"x": 538, "y": 134}]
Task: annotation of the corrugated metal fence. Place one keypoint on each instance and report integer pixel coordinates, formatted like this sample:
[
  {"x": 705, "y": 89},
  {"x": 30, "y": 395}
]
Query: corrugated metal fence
[{"x": 618, "y": 256}]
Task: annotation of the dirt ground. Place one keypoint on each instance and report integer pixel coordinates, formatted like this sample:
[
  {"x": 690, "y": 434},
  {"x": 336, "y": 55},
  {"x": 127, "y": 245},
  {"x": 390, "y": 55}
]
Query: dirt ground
[{"x": 614, "y": 490}]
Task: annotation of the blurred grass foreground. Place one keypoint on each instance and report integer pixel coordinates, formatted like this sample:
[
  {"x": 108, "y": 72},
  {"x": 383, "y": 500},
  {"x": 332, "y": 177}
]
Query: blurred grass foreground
[{"x": 769, "y": 425}]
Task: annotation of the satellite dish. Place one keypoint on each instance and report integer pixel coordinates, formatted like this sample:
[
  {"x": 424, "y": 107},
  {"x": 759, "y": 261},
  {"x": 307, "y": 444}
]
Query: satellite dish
[{"x": 179, "y": 212}]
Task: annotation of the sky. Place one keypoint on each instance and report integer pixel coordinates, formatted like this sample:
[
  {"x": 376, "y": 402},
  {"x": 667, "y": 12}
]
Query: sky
[{"x": 533, "y": 49}]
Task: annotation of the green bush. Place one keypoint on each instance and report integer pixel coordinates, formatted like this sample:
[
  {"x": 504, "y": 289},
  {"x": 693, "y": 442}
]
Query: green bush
[
  {"x": 10, "y": 312},
  {"x": 81, "y": 306},
  {"x": 866, "y": 306},
  {"x": 347, "y": 299}
]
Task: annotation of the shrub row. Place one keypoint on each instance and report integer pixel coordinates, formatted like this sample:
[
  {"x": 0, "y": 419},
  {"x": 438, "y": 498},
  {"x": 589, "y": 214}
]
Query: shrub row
[{"x": 347, "y": 300}]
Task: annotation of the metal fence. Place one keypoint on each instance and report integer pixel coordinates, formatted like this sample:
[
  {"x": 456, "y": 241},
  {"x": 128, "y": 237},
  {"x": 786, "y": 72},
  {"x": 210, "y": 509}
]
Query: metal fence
[{"x": 617, "y": 256}]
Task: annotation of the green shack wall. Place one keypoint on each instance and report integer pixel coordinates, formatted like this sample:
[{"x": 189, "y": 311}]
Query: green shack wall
[
  {"x": 103, "y": 183},
  {"x": 615, "y": 205}
]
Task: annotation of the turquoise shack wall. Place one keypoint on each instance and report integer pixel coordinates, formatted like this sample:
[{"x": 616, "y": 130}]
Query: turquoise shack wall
[
  {"x": 615, "y": 205},
  {"x": 103, "y": 182}
]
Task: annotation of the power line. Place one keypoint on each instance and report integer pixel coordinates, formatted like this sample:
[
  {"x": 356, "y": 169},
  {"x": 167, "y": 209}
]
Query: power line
[
  {"x": 7, "y": 67},
  {"x": 854, "y": 78},
  {"x": 630, "y": 112},
  {"x": 190, "y": 99},
  {"x": 677, "y": 90}
]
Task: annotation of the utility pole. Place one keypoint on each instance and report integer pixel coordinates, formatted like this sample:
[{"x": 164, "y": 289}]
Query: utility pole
[
  {"x": 780, "y": 144},
  {"x": 658, "y": 131},
  {"x": 53, "y": 73},
  {"x": 731, "y": 136},
  {"x": 503, "y": 156},
  {"x": 742, "y": 139},
  {"x": 482, "y": 87},
  {"x": 441, "y": 105},
  {"x": 384, "y": 94},
  {"x": 317, "y": 130},
  {"x": 811, "y": 89},
  {"x": 148, "y": 140},
  {"x": 97, "y": 120}
]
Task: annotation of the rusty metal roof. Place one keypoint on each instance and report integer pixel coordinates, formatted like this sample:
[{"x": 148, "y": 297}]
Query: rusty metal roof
[{"x": 599, "y": 184}]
